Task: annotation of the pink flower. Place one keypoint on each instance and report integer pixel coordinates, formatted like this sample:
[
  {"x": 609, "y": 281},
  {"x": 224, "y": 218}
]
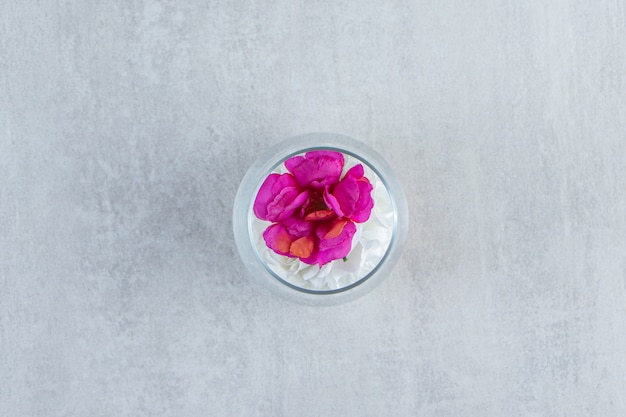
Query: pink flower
[
  {"x": 278, "y": 198},
  {"x": 352, "y": 197},
  {"x": 316, "y": 169},
  {"x": 313, "y": 212}
]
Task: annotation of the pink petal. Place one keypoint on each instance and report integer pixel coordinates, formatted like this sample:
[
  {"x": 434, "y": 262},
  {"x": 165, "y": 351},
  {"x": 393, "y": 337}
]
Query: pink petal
[
  {"x": 294, "y": 162},
  {"x": 339, "y": 245},
  {"x": 355, "y": 172},
  {"x": 278, "y": 198},
  {"x": 352, "y": 197},
  {"x": 294, "y": 238},
  {"x": 278, "y": 239},
  {"x": 316, "y": 168},
  {"x": 345, "y": 196},
  {"x": 325, "y": 154},
  {"x": 298, "y": 227},
  {"x": 264, "y": 196},
  {"x": 332, "y": 202},
  {"x": 365, "y": 203},
  {"x": 277, "y": 204},
  {"x": 290, "y": 208}
]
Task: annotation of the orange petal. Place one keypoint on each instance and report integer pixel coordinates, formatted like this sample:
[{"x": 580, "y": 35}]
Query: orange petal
[
  {"x": 319, "y": 215},
  {"x": 336, "y": 229},
  {"x": 282, "y": 242},
  {"x": 303, "y": 247}
]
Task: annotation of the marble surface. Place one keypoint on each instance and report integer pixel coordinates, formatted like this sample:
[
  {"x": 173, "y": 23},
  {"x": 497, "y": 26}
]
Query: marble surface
[{"x": 125, "y": 128}]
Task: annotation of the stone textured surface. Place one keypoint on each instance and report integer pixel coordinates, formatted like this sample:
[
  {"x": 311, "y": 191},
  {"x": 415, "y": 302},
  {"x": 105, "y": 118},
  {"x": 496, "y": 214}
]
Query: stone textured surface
[{"x": 125, "y": 128}]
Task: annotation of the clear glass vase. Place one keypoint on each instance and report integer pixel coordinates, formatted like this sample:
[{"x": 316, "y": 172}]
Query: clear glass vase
[{"x": 375, "y": 246}]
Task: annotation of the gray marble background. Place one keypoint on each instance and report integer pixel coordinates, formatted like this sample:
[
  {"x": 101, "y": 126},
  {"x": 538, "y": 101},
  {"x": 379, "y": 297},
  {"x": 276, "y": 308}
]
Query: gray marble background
[{"x": 125, "y": 128}]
